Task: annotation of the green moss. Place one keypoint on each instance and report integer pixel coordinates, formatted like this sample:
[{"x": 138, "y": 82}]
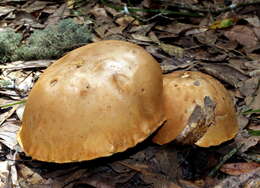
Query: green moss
[
  {"x": 9, "y": 42},
  {"x": 49, "y": 43},
  {"x": 54, "y": 41}
]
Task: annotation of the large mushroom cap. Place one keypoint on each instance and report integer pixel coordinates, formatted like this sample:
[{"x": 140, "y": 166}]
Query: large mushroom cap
[
  {"x": 198, "y": 110},
  {"x": 97, "y": 100}
]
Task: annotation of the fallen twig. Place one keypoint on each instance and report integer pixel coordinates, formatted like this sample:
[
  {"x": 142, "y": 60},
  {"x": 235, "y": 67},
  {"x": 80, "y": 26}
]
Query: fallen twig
[{"x": 224, "y": 159}]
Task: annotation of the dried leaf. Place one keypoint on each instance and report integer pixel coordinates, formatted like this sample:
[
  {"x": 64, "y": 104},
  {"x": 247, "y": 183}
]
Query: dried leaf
[
  {"x": 172, "y": 50},
  {"x": 175, "y": 28},
  {"x": 141, "y": 37},
  {"x": 8, "y": 132},
  {"x": 5, "y": 10},
  {"x": 247, "y": 141},
  {"x": 225, "y": 72},
  {"x": 196, "y": 31},
  {"x": 60, "y": 13},
  {"x": 253, "y": 20},
  {"x": 29, "y": 176},
  {"x": 4, "y": 116},
  {"x": 239, "y": 168},
  {"x": 126, "y": 20},
  {"x": 34, "y": 6},
  {"x": 239, "y": 181},
  {"x": 255, "y": 102},
  {"x": 8, "y": 173},
  {"x": 208, "y": 37},
  {"x": 19, "y": 111},
  {"x": 18, "y": 65},
  {"x": 243, "y": 35}
]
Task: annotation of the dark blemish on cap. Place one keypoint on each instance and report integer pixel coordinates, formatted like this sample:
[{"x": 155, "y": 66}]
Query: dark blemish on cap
[
  {"x": 196, "y": 83},
  {"x": 53, "y": 82},
  {"x": 78, "y": 66},
  {"x": 83, "y": 93}
]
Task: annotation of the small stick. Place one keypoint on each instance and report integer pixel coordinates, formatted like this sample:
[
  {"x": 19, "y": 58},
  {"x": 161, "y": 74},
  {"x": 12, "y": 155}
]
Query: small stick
[{"x": 224, "y": 159}]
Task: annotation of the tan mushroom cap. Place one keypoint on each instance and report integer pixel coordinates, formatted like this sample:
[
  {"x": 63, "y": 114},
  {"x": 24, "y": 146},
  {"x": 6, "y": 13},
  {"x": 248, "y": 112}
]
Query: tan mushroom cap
[
  {"x": 97, "y": 100},
  {"x": 198, "y": 109}
]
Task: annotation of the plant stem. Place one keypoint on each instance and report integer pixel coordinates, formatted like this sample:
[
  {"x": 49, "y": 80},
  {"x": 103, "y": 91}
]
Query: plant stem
[{"x": 12, "y": 104}]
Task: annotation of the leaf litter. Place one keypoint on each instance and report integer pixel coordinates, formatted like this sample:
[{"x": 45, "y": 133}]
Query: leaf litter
[{"x": 219, "y": 42}]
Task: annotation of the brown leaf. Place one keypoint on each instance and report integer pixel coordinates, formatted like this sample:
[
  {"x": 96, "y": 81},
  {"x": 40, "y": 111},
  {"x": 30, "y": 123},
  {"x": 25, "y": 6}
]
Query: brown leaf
[
  {"x": 35, "y": 6},
  {"x": 225, "y": 72},
  {"x": 172, "y": 50},
  {"x": 257, "y": 32},
  {"x": 208, "y": 37},
  {"x": 29, "y": 176},
  {"x": 255, "y": 103},
  {"x": 243, "y": 35},
  {"x": 239, "y": 181},
  {"x": 249, "y": 87},
  {"x": 239, "y": 168},
  {"x": 126, "y": 20},
  {"x": 175, "y": 28},
  {"x": 60, "y": 13}
]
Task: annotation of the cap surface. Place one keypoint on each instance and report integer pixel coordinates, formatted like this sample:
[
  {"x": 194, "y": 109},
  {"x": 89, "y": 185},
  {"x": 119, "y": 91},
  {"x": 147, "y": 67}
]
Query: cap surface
[
  {"x": 97, "y": 100},
  {"x": 198, "y": 109}
]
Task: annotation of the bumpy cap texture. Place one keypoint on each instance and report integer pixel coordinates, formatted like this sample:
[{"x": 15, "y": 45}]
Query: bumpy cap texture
[
  {"x": 97, "y": 100},
  {"x": 199, "y": 110}
]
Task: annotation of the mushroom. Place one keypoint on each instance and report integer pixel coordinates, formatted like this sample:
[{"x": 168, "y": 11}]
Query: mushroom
[
  {"x": 199, "y": 110},
  {"x": 97, "y": 100}
]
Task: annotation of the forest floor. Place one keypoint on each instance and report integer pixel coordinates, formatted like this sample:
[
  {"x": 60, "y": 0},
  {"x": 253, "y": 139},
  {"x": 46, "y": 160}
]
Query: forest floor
[{"x": 217, "y": 37}]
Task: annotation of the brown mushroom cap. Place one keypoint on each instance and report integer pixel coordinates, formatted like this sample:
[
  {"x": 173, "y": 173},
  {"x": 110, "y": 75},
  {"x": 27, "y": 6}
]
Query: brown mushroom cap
[
  {"x": 198, "y": 110},
  {"x": 97, "y": 100}
]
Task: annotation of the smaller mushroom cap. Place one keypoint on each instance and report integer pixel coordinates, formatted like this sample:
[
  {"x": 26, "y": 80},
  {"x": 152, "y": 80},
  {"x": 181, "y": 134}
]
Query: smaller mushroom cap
[
  {"x": 199, "y": 110},
  {"x": 97, "y": 100}
]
